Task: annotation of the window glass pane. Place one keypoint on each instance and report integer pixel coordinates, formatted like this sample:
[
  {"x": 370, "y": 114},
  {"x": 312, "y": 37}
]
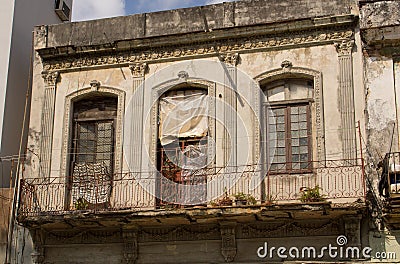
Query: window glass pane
[
  {"x": 295, "y": 166},
  {"x": 276, "y": 94},
  {"x": 280, "y": 135},
  {"x": 279, "y": 111},
  {"x": 280, "y": 151},
  {"x": 294, "y": 110},
  {"x": 281, "y": 143},
  {"x": 295, "y": 150},
  {"x": 302, "y": 109},
  {"x": 300, "y": 89},
  {"x": 295, "y": 142},
  {"x": 304, "y": 149},
  {"x": 280, "y": 127},
  {"x": 280, "y": 120},
  {"x": 303, "y": 125},
  {"x": 303, "y": 133},
  {"x": 304, "y": 157},
  {"x": 280, "y": 159},
  {"x": 303, "y": 141},
  {"x": 305, "y": 165}
]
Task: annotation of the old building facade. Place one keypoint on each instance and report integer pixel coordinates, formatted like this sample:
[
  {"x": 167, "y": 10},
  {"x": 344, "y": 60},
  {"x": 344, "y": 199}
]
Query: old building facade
[{"x": 144, "y": 129}]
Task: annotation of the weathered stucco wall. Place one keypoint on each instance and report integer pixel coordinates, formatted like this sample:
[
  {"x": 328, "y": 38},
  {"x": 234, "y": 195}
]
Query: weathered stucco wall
[
  {"x": 379, "y": 14},
  {"x": 196, "y": 19},
  {"x": 5, "y": 204},
  {"x": 381, "y": 106}
]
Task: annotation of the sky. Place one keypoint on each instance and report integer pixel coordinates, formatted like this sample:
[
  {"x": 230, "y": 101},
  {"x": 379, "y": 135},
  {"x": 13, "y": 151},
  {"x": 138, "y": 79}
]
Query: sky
[{"x": 94, "y": 9}]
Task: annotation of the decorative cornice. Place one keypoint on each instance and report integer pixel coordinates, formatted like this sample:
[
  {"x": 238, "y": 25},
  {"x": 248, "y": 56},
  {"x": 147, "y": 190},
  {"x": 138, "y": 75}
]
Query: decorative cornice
[
  {"x": 138, "y": 69},
  {"x": 50, "y": 78},
  {"x": 207, "y": 49},
  {"x": 344, "y": 47},
  {"x": 231, "y": 59}
]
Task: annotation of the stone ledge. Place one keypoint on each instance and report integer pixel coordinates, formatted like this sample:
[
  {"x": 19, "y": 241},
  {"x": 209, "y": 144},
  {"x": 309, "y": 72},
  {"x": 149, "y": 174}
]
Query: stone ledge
[{"x": 185, "y": 20}]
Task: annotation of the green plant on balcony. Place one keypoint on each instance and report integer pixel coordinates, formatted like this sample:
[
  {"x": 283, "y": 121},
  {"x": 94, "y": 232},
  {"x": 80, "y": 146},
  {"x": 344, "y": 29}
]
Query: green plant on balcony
[
  {"x": 244, "y": 199},
  {"x": 311, "y": 194},
  {"x": 81, "y": 204},
  {"x": 225, "y": 200}
]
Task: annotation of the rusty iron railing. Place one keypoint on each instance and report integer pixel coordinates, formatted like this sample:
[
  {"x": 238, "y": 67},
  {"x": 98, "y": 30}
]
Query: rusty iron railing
[{"x": 339, "y": 181}]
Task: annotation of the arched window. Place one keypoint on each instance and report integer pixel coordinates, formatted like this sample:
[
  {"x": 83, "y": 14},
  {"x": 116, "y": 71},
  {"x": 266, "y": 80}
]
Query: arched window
[{"x": 289, "y": 136}]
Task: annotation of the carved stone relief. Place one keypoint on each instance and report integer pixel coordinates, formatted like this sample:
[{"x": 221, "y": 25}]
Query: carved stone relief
[
  {"x": 228, "y": 240},
  {"x": 138, "y": 69},
  {"x": 231, "y": 47},
  {"x": 130, "y": 247}
]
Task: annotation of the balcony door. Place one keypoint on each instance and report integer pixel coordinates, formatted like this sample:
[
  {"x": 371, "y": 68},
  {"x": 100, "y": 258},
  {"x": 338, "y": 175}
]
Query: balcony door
[{"x": 92, "y": 151}]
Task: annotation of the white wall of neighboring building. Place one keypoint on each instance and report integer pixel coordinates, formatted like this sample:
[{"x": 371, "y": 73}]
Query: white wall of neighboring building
[
  {"x": 6, "y": 22},
  {"x": 17, "y": 19}
]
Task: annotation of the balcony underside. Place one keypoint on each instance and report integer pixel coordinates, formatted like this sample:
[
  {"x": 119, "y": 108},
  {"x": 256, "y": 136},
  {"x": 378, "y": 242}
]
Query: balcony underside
[{"x": 195, "y": 215}]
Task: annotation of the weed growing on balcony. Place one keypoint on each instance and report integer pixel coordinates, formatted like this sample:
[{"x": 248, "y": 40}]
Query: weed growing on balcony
[
  {"x": 243, "y": 199},
  {"x": 311, "y": 195},
  {"x": 81, "y": 204}
]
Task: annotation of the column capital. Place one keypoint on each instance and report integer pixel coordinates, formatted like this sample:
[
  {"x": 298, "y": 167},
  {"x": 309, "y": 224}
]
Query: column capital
[
  {"x": 344, "y": 47},
  {"x": 231, "y": 59},
  {"x": 50, "y": 78},
  {"x": 138, "y": 69}
]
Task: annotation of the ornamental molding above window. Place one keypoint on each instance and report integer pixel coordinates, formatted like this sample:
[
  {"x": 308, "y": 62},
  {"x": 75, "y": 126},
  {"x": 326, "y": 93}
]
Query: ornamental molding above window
[{"x": 67, "y": 124}]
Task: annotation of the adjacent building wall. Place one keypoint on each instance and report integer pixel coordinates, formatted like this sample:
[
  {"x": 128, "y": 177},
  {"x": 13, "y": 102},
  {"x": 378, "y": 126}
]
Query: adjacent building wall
[{"x": 18, "y": 18}]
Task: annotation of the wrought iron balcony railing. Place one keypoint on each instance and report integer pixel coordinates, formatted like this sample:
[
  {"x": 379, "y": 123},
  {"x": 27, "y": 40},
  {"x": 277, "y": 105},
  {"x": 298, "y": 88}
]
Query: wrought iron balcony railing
[{"x": 339, "y": 181}]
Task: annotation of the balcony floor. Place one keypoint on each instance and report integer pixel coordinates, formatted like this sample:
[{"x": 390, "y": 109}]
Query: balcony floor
[{"x": 194, "y": 215}]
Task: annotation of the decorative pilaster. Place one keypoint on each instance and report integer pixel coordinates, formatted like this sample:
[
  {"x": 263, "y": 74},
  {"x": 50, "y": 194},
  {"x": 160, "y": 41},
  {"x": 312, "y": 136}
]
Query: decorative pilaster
[
  {"x": 138, "y": 71},
  {"x": 230, "y": 108},
  {"x": 47, "y": 125},
  {"x": 228, "y": 237},
  {"x": 346, "y": 98},
  {"x": 352, "y": 226},
  {"x": 38, "y": 254},
  {"x": 130, "y": 253}
]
